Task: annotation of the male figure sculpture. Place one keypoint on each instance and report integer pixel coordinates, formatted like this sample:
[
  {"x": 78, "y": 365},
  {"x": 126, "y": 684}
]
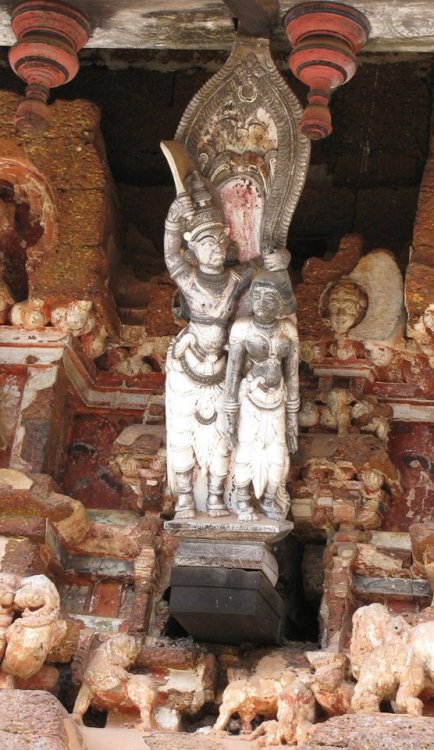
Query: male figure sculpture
[{"x": 196, "y": 363}]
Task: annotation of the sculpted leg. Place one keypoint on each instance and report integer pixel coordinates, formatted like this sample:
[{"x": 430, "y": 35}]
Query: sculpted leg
[
  {"x": 82, "y": 702},
  {"x": 142, "y": 691},
  {"x": 244, "y": 507},
  {"x": 215, "y": 503},
  {"x": 412, "y": 685},
  {"x": 269, "y": 504},
  {"x": 185, "y": 505}
]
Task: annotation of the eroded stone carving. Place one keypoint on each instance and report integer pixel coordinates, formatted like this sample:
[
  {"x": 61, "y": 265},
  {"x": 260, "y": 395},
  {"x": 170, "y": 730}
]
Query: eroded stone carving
[
  {"x": 391, "y": 660},
  {"x": 107, "y": 685},
  {"x": 367, "y": 305},
  {"x": 262, "y": 406},
  {"x": 31, "y": 314},
  {"x": 75, "y": 318},
  {"x": 259, "y": 694},
  {"x": 338, "y": 409},
  {"x": 28, "y": 638}
]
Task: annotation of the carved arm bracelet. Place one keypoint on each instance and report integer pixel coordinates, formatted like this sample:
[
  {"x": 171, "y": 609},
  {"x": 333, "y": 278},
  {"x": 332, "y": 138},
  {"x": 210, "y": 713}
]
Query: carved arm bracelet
[{"x": 293, "y": 405}]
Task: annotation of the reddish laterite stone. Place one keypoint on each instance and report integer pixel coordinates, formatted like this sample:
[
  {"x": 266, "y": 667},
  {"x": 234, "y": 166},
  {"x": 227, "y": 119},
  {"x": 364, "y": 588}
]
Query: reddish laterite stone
[
  {"x": 325, "y": 37},
  {"x": 49, "y": 36}
]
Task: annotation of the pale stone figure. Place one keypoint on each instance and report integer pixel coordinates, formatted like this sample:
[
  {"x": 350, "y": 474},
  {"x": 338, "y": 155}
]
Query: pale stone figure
[
  {"x": 75, "y": 318},
  {"x": 30, "y": 637},
  {"x": 107, "y": 685},
  {"x": 347, "y": 304},
  {"x": 196, "y": 361},
  {"x": 31, "y": 314},
  {"x": 391, "y": 661},
  {"x": 262, "y": 406},
  {"x": 278, "y": 693}
]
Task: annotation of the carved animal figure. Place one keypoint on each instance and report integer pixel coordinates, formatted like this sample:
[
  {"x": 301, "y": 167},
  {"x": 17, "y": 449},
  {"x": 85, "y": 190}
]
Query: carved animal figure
[
  {"x": 107, "y": 684},
  {"x": 30, "y": 637},
  {"x": 330, "y": 687},
  {"x": 391, "y": 660},
  {"x": 252, "y": 694},
  {"x": 295, "y": 716}
]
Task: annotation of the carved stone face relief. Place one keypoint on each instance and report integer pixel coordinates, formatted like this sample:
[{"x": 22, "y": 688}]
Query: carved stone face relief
[{"x": 346, "y": 306}]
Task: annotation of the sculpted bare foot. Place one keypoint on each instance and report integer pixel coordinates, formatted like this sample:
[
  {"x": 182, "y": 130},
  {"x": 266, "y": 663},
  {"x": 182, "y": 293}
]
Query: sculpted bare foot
[
  {"x": 216, "y": 507},
  {"x": 248, "y": 515},
  {"x": 185, "y": 507},
  {"x": 187, "y": 513}
]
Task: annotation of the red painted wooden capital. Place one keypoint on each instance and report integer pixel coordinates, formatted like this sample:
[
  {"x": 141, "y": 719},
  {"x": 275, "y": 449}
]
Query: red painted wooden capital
[
  {"x": 49, "y": 36},
  {"x": 325, "y": 37}
]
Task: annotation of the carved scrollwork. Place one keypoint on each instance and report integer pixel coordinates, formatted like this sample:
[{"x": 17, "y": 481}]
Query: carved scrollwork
[{"x": 242, "y": 129}]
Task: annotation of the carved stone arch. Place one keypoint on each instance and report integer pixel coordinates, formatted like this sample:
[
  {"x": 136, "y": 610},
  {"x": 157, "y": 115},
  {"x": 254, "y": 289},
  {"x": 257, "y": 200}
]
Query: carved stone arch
[
  {"x": 241, "y": 129},
  {"x": 24, "y": 185}
]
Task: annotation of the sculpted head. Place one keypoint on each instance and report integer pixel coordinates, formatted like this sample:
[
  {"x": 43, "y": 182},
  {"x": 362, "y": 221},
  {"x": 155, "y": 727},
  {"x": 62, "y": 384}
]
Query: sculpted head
[
  {"x": 271, "y": 296},
  {"x": 347, "y": 303},
  {"x": 266, "y": 302},
  {"x": 209, "y": 244},
  {"x": 123, "y": 649}
]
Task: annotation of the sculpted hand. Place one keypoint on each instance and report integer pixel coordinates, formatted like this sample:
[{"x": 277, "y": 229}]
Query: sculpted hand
[
  {"x": 232, "y": 421},
  {"x": 185, "y": 206},
  {"x": 182, "y": 344},
  {"x": 278, "y": 260},
  {"x": 292, "y": 432}
]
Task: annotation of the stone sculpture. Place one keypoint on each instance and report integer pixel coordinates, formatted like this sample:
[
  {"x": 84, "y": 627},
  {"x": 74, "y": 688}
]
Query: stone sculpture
[
  {"x": 31, "y": 314},
  {"x": 339, "y": 409},
  {"x": 196, "y": 361},
  {"x": 295, "y": 715},
  {"x": 108, "y": 686},
  {"x": 29, "y": 638},
  {"x": 75, "y": 318},
  {"x": 256, "y": 694},
  {"x": 367, "y": 306},
  {"x": 391, "y": 661},
  {"x": 330, "y": 684},
  {"x": 262, "y": 407}
]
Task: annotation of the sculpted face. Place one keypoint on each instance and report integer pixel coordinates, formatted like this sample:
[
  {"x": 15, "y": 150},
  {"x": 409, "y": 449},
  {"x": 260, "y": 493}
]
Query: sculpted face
[
  {"x": 265, "y": 303},
  {"x": 210, "y": 246},
  {"x": 346, "y": 303},
  {"x": 343, "y": 314}
]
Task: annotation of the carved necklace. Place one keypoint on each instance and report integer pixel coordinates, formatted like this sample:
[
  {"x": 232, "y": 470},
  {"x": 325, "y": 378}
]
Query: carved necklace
[
  {"x": 265, "y": 327},
  {"x": 215, "y": 280}
]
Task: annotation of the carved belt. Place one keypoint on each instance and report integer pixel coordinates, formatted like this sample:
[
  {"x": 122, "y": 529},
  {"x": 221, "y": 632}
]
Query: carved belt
[
  {"x": 212, "y": 379},
  {"x": 209, "y": 321}
]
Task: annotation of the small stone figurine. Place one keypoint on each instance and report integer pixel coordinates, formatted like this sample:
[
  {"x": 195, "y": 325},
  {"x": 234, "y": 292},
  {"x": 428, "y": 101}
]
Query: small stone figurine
[
  {"x": 262, "y": 405},
  {"x": 196, "y": 361}
]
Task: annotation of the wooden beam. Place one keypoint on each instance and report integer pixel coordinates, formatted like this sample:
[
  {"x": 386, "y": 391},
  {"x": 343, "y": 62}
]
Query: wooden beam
[{"x": 396, "y": 25}]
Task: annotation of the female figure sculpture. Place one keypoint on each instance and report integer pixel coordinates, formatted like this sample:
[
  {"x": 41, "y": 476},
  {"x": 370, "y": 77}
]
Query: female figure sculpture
[
  {"x": 262, "y": 405},
  {"x": 196, "y": 362}
]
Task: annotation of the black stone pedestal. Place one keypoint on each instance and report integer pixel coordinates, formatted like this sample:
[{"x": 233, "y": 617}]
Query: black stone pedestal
[{"x": 226, "y": 605}]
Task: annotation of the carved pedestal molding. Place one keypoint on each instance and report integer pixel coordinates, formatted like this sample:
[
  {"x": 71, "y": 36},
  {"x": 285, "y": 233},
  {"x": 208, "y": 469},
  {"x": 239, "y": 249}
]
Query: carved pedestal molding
[
  {"x": 325, "y": 36},
  {"x": 49, "y": 36}
]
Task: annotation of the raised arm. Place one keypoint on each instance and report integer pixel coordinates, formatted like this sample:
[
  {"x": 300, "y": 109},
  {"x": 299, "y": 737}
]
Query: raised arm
[{"x": 181, "y": 208}]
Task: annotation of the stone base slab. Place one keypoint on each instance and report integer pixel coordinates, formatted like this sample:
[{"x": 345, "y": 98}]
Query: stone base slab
[
  {"x": 221, "y": 554},
  {"x": 229, "y": 528}
]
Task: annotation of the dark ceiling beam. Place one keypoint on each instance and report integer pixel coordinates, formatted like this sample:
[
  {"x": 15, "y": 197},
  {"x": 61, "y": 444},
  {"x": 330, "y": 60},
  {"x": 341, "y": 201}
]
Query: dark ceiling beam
[{"x": 255, "y": 17}]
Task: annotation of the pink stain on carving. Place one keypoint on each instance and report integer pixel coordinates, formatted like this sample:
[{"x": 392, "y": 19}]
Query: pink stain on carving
[{"x": 243, "y": 206}]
